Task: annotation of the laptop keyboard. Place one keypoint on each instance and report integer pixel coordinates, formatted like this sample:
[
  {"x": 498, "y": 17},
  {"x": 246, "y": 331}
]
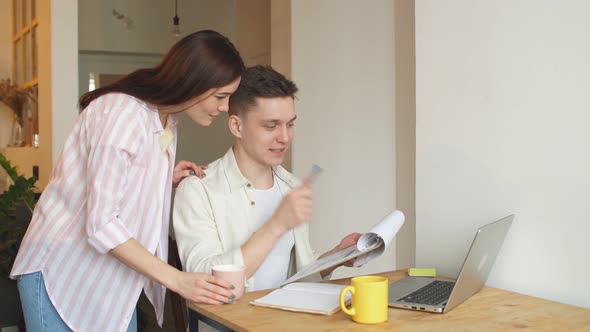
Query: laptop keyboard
[{"x": 432, "y": 294}]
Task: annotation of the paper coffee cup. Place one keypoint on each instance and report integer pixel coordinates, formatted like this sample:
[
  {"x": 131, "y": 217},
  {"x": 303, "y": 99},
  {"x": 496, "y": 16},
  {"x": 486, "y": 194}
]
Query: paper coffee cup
[{"x": 234, "y": 274}]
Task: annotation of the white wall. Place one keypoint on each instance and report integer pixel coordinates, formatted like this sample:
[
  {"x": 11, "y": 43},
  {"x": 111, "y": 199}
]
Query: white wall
[
  {"x": 342, "y": 61},
  {"x": 502, "y": 117},
  {"x": 64, "y": 71}
]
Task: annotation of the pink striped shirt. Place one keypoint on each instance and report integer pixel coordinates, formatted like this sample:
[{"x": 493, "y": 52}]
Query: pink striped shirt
[{"x": 112, "y": 182}]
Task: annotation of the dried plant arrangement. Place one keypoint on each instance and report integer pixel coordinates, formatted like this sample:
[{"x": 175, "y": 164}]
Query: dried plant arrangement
[{"x": 16, "y": 98}]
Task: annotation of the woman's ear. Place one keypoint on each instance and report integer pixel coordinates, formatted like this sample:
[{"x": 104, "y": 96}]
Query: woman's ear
[{"x": 235, "y": 125}]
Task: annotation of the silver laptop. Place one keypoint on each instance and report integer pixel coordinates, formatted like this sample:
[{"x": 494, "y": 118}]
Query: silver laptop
[{"x": 440, "y": 295}]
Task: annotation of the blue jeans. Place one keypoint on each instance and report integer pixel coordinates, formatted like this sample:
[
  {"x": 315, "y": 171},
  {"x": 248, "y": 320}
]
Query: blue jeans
[{"x": 40, "y": 314}]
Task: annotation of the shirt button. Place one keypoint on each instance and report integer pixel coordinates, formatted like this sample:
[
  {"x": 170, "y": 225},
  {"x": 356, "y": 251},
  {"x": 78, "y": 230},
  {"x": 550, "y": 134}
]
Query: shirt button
[
  {"x": 248, "y": 185},
  {"x": 252, "y": 203}
]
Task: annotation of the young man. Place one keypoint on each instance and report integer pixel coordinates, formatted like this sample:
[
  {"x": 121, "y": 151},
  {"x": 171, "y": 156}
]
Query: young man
[{"x": 249, "y": 210}]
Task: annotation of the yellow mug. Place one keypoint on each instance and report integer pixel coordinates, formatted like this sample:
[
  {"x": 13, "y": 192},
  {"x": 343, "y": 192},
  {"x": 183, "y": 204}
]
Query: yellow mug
[{"x": 369, "y": 299}]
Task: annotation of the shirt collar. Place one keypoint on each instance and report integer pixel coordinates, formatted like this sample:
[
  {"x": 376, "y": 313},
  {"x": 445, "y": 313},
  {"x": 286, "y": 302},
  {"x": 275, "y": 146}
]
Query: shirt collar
[
  {"x": 167, "y": 133},
  {"x": 157, "y": 127},
  {"x": 232, "y": 172},
  {"x": 236, "y": 179}
]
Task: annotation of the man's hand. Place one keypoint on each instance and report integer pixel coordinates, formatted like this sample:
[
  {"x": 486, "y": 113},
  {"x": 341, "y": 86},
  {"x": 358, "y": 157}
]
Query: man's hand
[
  {"x": 295, "y": 209},
  {"x": 347, "y": 241}
]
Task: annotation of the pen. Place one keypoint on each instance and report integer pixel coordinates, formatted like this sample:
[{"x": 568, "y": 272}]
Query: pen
[{"x": 314, "y": 173}]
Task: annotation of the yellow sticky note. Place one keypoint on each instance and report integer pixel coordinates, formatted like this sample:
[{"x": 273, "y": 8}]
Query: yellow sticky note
[{"x": 416, "y": 272}]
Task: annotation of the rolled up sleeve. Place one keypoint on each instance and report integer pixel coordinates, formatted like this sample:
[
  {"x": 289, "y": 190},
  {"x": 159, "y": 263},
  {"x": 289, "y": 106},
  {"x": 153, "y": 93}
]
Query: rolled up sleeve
[{"x": 109, "y": 236}]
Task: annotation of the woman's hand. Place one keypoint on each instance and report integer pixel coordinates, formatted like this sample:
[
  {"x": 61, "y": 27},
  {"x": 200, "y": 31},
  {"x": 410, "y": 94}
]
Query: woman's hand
[
  {"x": 185, "y": 168},
  {"x": 203, "y": 288},
  {"x": 195, "y": 287}
]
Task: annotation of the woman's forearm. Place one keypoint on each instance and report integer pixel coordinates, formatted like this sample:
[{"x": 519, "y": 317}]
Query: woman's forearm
[{"x": 134, "y": 255}]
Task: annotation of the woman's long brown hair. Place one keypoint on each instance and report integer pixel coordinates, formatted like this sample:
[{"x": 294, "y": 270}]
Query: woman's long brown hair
[{"x": 200, "y": 61}]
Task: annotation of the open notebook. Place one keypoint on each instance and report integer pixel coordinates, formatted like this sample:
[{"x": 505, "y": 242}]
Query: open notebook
[{"x": 310, "y": 297}]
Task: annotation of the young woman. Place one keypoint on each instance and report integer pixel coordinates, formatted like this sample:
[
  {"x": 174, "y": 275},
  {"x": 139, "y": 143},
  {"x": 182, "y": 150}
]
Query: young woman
[{"x": 99, "y": 233}]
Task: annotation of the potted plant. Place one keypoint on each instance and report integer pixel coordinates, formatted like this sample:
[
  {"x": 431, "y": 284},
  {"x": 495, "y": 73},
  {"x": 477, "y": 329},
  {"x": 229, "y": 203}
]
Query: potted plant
[
  {"x": 13, "y": 225},
  {"x": 21, "y": 192}
]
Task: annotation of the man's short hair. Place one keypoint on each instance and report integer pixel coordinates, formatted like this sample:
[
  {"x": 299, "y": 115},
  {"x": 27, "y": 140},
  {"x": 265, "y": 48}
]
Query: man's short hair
[{"x": 259, "y": 82}]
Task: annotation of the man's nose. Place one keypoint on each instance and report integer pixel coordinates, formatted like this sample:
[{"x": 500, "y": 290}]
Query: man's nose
[{"x": 283, "y": 134}]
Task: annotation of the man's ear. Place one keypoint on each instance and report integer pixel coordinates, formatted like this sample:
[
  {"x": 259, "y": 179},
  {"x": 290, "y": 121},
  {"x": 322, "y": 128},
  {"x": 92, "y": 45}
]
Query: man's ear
[{"x": 235, "y": 125}]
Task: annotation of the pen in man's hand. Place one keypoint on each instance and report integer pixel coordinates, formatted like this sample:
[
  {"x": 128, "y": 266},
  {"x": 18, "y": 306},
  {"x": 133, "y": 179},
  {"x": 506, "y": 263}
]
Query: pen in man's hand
[{"x": 314, "y": 173}]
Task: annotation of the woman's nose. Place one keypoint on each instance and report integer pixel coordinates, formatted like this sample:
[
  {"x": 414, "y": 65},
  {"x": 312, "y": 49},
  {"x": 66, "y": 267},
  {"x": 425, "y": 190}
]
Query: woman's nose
[{"x": 224, "y": 107}]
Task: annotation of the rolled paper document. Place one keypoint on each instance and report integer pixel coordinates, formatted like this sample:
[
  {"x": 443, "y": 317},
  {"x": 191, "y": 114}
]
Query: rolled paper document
[
  {"x": 369, "y": 246},
  {"x": 385, "y": 230}
]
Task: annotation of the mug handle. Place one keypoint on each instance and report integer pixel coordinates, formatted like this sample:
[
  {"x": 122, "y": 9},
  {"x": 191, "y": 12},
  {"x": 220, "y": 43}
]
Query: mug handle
[{"x": 347, "y": 311}]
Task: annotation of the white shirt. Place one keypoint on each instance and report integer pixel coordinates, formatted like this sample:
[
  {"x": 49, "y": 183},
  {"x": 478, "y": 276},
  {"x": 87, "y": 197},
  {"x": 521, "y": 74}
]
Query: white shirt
[
  {"x": 274, "y": 269},
  {"x": 213, "y": 217}
]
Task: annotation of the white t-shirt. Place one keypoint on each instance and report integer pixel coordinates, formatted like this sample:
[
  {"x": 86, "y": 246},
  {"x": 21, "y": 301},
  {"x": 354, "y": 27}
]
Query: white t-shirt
[{"x": 273, "y": 270}]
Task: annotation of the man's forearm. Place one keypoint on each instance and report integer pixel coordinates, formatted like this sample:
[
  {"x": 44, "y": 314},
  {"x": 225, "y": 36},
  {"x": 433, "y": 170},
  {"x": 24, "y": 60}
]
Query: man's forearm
[{"x": 259, "y": 245}]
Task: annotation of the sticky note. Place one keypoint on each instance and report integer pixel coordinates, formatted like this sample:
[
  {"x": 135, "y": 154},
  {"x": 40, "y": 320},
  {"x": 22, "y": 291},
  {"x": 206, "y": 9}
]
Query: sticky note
[{"x": 416, "y": 272}]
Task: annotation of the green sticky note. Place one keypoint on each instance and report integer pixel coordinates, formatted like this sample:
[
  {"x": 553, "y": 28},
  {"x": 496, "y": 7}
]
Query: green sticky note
[{"x": 416, "y": 272}]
